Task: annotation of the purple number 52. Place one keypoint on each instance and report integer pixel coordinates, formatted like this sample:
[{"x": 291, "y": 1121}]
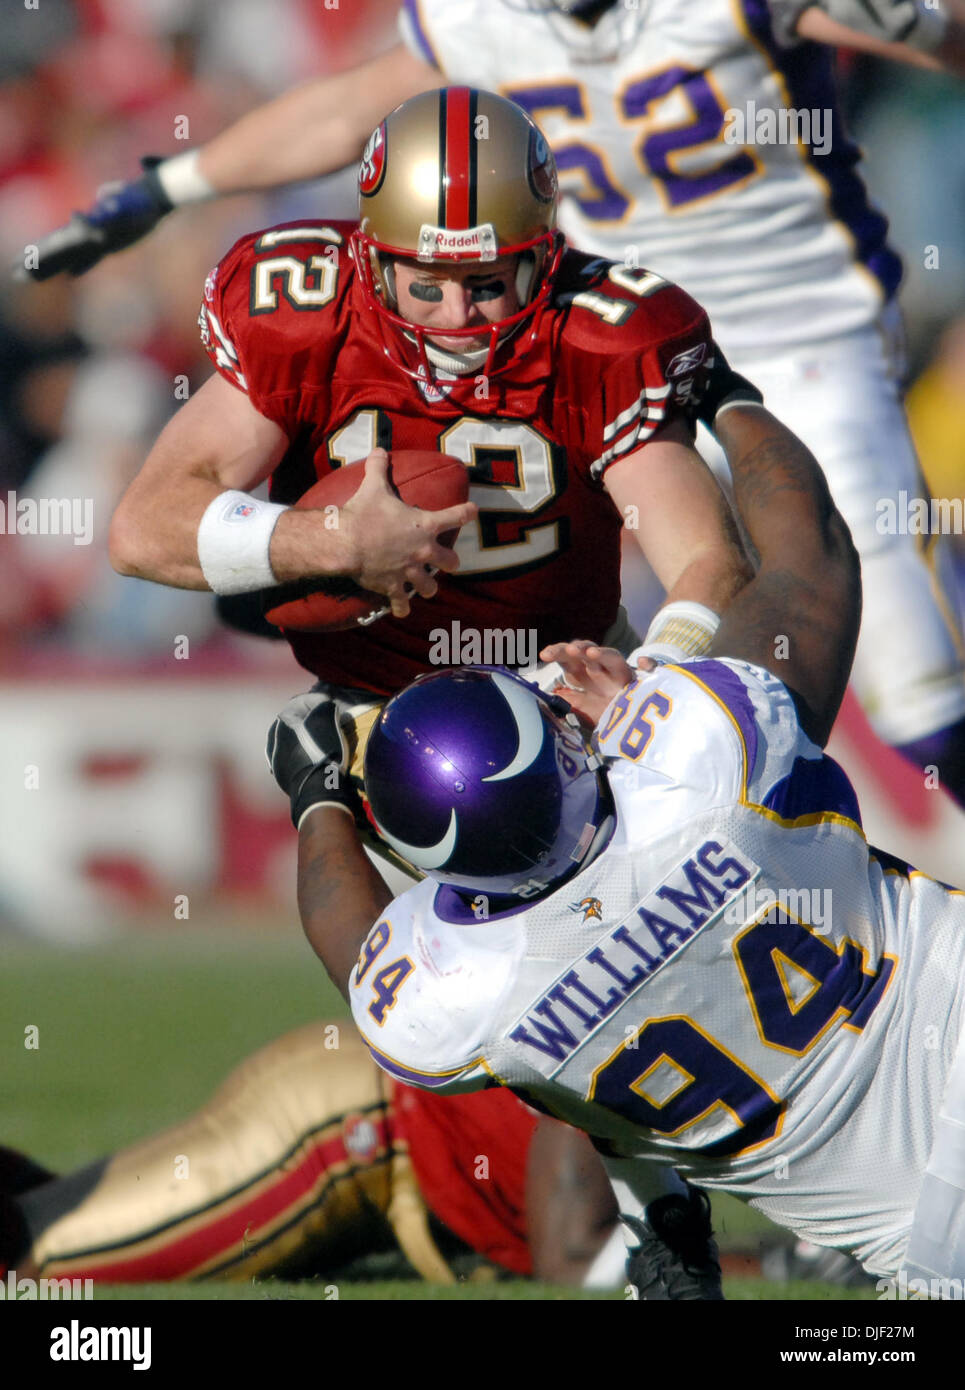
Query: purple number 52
[{"x": 600, "y": 197}]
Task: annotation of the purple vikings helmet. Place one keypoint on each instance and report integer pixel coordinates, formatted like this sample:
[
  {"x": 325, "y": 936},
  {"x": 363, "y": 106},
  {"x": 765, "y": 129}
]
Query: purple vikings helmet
[{"x": 482, "y": 782}]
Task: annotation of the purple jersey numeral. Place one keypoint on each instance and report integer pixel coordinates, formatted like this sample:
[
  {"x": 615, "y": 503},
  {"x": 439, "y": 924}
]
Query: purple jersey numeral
[
  {"x": 773, "y": 951},
  {"x": 706, "y": 126},
  {"x": 715, "y": 1080},
  {"x": 604, "y": 201}
]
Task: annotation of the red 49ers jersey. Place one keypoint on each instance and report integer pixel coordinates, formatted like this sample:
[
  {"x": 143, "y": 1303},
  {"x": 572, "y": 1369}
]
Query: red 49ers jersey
[
  {"x": 469, "y": 1154},
  {"x": 616, "y": 356}
]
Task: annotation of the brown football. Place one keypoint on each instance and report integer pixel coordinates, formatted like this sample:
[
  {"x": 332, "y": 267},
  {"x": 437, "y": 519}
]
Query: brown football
[{"x": 422, "y": 478}]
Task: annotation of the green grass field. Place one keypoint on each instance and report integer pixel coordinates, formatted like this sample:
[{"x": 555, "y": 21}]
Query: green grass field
[{"x": 134, "y": 1035}]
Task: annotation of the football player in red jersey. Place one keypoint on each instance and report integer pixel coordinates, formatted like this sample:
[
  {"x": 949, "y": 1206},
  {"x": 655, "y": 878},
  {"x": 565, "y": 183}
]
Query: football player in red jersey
[
  {"x": 452, "y": 319},
  {"x": 306, "y": 1159}
]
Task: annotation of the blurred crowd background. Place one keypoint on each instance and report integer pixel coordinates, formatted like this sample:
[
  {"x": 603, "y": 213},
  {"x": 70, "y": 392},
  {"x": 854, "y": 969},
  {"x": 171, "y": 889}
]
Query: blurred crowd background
[{"x": 89, "y": 367}]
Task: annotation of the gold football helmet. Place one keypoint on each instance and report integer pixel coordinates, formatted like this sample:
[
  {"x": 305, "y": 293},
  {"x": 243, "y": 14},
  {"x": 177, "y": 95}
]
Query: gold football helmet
[{"x": 454, "y": 176}]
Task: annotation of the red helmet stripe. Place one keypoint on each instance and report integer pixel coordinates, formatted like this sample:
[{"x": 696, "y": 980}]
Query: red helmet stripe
[{"x": 460, "y": 166}]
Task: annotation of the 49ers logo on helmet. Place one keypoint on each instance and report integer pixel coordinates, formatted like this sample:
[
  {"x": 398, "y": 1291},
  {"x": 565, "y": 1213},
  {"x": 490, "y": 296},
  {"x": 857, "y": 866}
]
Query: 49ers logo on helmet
[
  {"x": 372, "y": 168},
  {"x": 542, "y": 167}
]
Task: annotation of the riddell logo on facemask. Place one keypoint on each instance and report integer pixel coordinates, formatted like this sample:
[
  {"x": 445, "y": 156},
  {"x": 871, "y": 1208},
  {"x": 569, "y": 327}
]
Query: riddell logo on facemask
[
  {"x": 458, "y": 241},
  {"x": 435, "y": 241}
]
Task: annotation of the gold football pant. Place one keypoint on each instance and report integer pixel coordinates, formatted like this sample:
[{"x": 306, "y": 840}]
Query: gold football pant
[{"x": 292, "y": 1167}]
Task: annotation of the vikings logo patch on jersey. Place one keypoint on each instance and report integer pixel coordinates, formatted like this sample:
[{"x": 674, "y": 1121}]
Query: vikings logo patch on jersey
[{"x": 591, "y": 908}]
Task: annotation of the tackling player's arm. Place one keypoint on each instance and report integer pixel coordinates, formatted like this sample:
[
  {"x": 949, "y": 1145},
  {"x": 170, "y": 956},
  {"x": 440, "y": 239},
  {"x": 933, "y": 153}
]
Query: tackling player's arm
[
  {"x": 799, "y": 616},
  {"x": 340, "y": 893},
  {"x": 902, "y": 30},
  {"x": 217, "y": 443}
]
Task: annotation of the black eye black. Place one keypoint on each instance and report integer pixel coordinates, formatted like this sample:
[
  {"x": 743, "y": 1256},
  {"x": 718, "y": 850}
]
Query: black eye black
[
  {"x": 492, "y": 289},
  {"x": 420, "y": 289}
]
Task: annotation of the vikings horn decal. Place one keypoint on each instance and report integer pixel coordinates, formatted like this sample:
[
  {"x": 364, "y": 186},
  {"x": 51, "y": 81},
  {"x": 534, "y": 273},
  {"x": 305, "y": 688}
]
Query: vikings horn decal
[
  {"x": 426, "y": 856},
  {"x": 528, "y": 723}
]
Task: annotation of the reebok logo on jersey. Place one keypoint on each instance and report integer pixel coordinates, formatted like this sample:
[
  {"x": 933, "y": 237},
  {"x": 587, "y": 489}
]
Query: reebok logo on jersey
[
  {"x": 696, "y": 893},
  {"x": 687, "y": 361}
]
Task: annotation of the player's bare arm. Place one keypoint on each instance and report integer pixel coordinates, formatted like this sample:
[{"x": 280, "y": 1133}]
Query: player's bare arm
[
  {"x": 570, "y": 1207},
  {"x": 799, "y": 616},
  {"x": 218, "y": 442},
  {"x": 682, "y": 521},
  {"x": 340, "y": 894},
  {"x": 936, "y": 41},
  {"x": 315, "y": 129}
]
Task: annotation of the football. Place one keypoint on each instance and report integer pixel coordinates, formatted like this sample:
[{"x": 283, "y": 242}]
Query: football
[{"x": 422, "y": 478}]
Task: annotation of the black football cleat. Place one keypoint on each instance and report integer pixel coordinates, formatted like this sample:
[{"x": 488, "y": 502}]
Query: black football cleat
[{"x": 677, "y": 1255}]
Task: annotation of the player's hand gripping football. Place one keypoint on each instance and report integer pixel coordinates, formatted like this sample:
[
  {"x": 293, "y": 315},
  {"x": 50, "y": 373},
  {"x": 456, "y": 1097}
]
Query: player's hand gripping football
[
  {"x": 592, "y": 675},
  {"x": 309, "y": 755},
  {"x": 394, "y": 549},
  {"x": 122, "y": 214}
]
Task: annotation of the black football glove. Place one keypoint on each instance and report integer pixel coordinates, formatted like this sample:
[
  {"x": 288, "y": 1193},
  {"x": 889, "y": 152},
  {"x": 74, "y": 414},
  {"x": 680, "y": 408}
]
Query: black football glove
[
  {"x": 723, "y": 386},
  {"x": 309, "y": 755},
  {"x": 122, "y": 214}
]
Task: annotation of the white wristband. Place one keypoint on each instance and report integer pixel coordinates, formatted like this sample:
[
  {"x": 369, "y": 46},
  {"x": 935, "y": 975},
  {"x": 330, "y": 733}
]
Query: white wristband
[
  {"x": 182, "y": 180},
  {"x": 233, "y": 541},
  {"x": 679, "y": 631}
]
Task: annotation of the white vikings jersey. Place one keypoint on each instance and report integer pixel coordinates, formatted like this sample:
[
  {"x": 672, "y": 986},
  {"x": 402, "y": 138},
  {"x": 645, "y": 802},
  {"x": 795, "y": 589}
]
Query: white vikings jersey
[
  {"x": 737, "y": 984},
  {"x": 700, "y": 140}
]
